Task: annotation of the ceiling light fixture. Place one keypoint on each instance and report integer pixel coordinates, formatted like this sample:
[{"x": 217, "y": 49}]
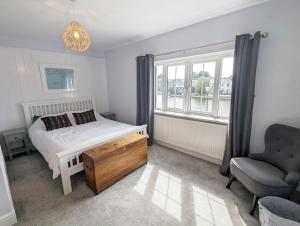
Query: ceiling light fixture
[{"x": 75, "y": 36}]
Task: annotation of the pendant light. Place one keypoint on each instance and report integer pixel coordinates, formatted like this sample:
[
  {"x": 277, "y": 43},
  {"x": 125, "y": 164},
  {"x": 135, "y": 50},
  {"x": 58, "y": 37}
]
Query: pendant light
[{"x": 75, "y": 36}]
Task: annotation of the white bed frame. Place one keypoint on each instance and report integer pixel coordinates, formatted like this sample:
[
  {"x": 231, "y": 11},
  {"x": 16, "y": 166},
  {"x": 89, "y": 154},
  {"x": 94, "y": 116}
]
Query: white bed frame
[{"x": 70, "y": 162}]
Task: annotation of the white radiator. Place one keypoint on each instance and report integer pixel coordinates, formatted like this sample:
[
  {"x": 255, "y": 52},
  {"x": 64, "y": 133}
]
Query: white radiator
[{"x": 201, "y": 139}]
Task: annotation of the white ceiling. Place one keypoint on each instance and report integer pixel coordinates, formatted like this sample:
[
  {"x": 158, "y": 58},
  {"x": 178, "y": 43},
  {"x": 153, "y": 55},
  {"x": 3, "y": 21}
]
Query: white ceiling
[{"x": 111, "y": 23}]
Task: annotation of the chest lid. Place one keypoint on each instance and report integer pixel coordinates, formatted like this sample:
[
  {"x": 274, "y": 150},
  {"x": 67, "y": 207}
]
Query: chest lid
[{"x": 107, "y": 149}]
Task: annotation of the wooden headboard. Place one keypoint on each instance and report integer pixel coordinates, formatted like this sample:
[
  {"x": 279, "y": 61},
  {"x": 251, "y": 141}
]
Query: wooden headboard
[{"x": 40, "y": 108}]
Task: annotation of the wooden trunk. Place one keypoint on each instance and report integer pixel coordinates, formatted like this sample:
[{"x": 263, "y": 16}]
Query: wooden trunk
[{"x": 108, "y": 163}]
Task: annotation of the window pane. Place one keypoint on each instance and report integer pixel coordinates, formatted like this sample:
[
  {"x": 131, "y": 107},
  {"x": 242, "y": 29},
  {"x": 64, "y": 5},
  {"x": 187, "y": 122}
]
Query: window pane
[
  {"x": 201, "y": 104},
  {"x": 158, "y": 86},
  {"x": 175, "y": 86},
  {"x": 202, "y": 86},
  {"x": 225, "y": 87}
]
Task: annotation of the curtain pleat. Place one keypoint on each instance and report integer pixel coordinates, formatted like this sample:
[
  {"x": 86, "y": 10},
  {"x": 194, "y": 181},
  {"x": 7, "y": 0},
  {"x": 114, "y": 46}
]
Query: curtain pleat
[
  {"x": 242, "y": 98},
  {"x": 145, "y": 93}
]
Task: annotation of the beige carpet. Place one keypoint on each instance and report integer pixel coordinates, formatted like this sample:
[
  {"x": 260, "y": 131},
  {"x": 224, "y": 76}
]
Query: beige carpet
[{"x": 173, "y": 189}]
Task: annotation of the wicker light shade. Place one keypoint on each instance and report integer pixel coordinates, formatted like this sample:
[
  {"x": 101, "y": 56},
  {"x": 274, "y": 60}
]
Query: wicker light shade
[{"x": 76, "y": 37}]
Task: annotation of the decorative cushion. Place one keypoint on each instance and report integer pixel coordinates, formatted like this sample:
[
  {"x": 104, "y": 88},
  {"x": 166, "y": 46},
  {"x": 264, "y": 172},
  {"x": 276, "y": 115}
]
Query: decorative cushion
[
  {"x": 84, "y": 117},
  {"x": 56, "y": 122},
  {"x": 34, "y": 118}
]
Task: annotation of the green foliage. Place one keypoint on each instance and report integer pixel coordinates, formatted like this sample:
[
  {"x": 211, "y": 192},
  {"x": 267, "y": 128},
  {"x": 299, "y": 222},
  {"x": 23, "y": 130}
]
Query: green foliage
[
  {"x": 201, "y": 74},
  {"x": 171, "y": 90},
  {"x": 159, "y": 80},
  {"x": 199, "y": 89}
]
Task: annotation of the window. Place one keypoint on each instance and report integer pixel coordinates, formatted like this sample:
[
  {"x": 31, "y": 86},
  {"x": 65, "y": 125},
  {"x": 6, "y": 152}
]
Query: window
[
  {"x": 198, "y": 85},
  {"x": 225, "y": 87},
  {"x": 202, "y": 84},
  {"x": 158, "y": 86},
  {"x": 175, "y": 82}
]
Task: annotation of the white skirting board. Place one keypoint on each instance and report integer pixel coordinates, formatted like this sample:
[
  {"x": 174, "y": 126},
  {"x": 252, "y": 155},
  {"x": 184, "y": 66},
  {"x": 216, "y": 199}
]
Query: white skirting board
[
  {"x": 189, "y": 152},
  {"x": 8, "y": 220}
]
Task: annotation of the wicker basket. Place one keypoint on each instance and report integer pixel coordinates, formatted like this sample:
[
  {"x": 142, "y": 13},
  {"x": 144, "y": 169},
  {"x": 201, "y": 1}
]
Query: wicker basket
[{"x": 275, "y": 211}]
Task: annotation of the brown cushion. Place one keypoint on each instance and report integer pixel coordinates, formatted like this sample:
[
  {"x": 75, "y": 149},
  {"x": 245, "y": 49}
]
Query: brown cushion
[
  {"x": 84, "y": 117},
  {"x": 56, "y": 122}
]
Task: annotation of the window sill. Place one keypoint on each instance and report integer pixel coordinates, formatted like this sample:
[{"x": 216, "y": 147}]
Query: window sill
[{"x": 193, "y": 117}]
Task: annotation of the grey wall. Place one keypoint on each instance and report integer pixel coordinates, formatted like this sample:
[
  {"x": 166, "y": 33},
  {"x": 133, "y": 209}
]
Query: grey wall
[{"x": 278, "y": 78}]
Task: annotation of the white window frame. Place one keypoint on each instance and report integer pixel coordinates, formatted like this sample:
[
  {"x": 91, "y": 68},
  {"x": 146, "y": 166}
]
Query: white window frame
[{"x": 188, "y": 62}]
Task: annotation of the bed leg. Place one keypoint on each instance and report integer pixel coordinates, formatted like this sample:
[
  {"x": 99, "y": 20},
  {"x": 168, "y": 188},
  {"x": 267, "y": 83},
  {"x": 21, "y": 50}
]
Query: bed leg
[
  {"x": 145, "y": 131},
  {"x": 66, "y": 183},
  {"x": 65, "y": 177}
]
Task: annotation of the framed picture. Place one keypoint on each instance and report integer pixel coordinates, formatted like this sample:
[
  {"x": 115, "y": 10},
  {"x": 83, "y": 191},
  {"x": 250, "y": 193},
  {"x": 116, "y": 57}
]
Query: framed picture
[{"x": 58, "y": 78}]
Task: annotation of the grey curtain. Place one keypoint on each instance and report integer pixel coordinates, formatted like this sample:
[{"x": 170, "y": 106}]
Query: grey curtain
[
  {"x": 145, "y": 93},
  {"x": 242, "y": 99}
]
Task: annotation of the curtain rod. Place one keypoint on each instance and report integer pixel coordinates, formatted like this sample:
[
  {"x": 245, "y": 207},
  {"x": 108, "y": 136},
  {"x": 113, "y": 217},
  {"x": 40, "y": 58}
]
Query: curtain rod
[{"x": 263, "y": 35}]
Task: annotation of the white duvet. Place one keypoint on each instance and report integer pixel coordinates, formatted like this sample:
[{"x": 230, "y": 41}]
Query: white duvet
[{"x": 76, "y": 137}]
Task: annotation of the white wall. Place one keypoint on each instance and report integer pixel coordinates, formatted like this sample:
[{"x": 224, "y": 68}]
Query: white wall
[
  {"x": 20, "y": 81},
  {"x": 278, "y": 79}
]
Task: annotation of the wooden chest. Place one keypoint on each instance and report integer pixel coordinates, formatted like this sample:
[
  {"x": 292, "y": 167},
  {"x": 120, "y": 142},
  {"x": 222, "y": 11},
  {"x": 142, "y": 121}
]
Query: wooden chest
[{"x": 108, "y": 163}]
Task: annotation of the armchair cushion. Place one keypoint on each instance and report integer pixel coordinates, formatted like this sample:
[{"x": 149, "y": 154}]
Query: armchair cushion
[
  {"x": 257, "y": 156},
  {"x": 292, "y": 178},
  {"x": 282, "y": 150},
  {"x": 282, "y": 147},
  {"x": 260, "y": 177}
]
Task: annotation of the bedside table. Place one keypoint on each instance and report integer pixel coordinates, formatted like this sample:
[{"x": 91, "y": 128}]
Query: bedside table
[
  {"x": 16, "y": 141},
  {"x": 109, "y": 115}
]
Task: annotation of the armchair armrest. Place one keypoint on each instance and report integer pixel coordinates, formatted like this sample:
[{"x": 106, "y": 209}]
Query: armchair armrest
[
  {"x": 292, "y": 177},
  {"x": 257, "y": 156}
]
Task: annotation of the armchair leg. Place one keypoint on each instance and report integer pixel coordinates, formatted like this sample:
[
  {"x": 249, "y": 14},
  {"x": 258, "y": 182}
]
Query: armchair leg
[
  {"x": 254, "y": 203},
  {"x": 231, "y": 179}
]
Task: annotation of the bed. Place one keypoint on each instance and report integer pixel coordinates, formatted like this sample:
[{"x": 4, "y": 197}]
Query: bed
[{"x": 62, "y": 148}]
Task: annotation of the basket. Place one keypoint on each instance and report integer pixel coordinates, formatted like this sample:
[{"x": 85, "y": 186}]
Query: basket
[{"x": 275, "y": 211}]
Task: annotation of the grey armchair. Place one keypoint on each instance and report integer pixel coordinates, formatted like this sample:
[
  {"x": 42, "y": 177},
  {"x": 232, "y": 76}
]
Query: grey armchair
[{"x": 276, "y": 172}]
